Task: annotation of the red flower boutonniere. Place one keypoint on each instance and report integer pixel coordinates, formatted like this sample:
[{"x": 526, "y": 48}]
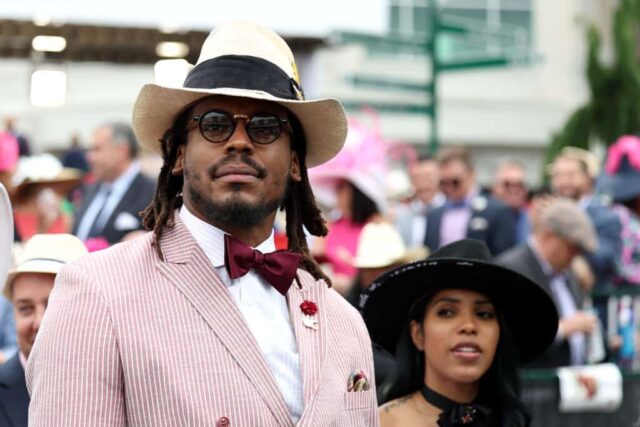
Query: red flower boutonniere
[
  {"x": 309, "y": 307},
  {"x": 309, "y": 310}
]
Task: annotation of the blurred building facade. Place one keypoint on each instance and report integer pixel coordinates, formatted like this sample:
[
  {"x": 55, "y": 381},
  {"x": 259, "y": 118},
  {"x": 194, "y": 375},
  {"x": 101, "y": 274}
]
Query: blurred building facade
[{"x": 508, "y": 109}]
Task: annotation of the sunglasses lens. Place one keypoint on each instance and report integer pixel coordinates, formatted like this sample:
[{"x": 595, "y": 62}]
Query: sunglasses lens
[
  {"x": 264, "y": 129},
  {"x": 216, "y": 126}
]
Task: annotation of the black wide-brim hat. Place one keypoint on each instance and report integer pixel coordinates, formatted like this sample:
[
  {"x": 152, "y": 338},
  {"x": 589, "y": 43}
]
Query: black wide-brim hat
[{"x": 528, "y": 309}]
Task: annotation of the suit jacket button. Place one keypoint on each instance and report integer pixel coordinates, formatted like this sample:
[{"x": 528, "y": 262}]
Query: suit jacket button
[{"x": 223, "y": 422}]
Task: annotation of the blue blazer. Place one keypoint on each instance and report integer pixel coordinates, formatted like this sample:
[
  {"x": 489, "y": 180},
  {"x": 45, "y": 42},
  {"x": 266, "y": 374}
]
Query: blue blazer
[
  {"x": 491, "y": 221},
  {"x": 14, "y": 397},
  {"x": 608, "y": 230}
]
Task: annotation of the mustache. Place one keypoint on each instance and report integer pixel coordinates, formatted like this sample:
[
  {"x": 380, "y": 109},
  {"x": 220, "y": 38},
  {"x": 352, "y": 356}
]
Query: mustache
[{"x": 261, "y": 171}]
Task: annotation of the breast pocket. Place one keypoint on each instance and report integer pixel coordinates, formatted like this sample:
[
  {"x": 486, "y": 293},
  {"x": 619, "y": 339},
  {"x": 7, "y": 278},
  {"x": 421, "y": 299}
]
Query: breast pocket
[
  {"x": 358, "y": 409},
  {"x": 358, "y": 400}
]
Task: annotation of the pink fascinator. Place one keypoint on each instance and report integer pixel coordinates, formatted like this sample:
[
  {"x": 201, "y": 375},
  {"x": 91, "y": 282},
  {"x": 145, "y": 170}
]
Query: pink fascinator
[{"x": 362, "y": 162}]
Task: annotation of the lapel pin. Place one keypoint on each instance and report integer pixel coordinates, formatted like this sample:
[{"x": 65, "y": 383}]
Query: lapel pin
[{"x": 309, "y": 311}]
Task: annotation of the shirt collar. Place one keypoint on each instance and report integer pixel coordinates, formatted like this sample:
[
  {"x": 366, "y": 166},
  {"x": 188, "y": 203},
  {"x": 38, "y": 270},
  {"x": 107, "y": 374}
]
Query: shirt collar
[
  {"x": 546, "y": 267},
  {"x": 467, "y": 201},
  {"x": 23, "y": 360},
  {"x": 211, "y": 239}
]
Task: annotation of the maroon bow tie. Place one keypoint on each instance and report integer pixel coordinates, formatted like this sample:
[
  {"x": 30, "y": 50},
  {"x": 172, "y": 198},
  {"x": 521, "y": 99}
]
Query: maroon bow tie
[{"x": 278, "y": 268}]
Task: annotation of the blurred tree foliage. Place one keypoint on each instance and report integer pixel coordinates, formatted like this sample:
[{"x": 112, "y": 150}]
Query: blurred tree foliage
[{"x": 614, "y": 105}]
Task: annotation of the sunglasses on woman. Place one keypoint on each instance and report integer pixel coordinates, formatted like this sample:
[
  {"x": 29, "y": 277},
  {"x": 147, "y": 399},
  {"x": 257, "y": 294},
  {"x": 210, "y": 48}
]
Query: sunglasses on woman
[{"x": 262, "y": 128}]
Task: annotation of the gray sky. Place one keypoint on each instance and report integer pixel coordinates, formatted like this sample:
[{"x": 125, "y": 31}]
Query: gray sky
[{"x": 303, "y": 18}]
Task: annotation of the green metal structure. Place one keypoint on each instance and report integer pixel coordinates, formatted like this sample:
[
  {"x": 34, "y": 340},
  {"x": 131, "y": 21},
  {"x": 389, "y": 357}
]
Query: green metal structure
[{"x": 451, "y": 44}]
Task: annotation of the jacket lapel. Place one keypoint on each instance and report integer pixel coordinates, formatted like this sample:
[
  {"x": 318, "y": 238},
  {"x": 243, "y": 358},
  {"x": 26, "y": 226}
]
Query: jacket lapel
[
  {"x": 124, "y": 205},
  {"x": 188, "y": 268},
  {"x": 311, "y": 342}
]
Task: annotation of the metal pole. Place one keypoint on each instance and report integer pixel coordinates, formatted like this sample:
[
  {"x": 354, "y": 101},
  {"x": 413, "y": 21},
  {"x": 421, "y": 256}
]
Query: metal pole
[{"x": 431, "y": 51}]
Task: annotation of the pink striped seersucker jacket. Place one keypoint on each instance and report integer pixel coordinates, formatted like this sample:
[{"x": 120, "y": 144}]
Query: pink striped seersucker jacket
[{"x": 131, "y": 340}]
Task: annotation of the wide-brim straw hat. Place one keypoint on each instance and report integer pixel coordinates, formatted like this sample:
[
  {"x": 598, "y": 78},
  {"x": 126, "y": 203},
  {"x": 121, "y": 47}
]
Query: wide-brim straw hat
[
  {"x": 246, "y": 60},
  {"x": 6, "y": 233},
  {"x": 528, "y": 309},
  {"x": 47, "y": 254}
]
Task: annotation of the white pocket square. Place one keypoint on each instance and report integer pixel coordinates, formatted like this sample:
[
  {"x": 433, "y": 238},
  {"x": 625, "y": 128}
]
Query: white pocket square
[
  {"x": 478, "y": 223},
  {"x": 126, "y": 221}
]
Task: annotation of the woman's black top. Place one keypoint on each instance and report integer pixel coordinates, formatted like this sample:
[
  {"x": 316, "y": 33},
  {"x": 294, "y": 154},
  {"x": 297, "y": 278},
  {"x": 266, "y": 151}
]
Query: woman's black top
[{"x": 456, "y": 414}]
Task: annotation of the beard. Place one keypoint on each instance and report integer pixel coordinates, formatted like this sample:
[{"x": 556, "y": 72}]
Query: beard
[{"x": 235, "y": 211}]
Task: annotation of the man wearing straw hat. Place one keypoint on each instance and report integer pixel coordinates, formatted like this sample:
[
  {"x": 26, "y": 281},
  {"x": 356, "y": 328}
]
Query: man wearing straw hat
[
  {"x": 200, "y": 322},
  {"x": 28, "y": 287}
]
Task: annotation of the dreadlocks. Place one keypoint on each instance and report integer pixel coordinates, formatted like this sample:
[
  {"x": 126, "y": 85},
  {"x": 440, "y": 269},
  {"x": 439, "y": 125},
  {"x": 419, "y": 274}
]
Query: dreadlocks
[{"x": 299, "y": 202}]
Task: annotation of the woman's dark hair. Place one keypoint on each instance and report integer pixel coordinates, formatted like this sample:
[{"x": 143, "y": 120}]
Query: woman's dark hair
[
  {"x": 499, "y": 386},
  {"x": 632, "y": 204},
  {"x": 299, "y": 202},
  {"x": 362, "y": 207}
]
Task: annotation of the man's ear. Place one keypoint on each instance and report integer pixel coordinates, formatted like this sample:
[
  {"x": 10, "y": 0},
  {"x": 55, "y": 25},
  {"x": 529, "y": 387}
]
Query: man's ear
[
  {"x": 295, "y": 167},
  {"x": 178, "y": 168},
  {"x": 417, "y": 335}
]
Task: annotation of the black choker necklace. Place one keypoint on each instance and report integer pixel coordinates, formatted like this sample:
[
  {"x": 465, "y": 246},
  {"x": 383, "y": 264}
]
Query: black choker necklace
[{"x": 454, "y": 413}]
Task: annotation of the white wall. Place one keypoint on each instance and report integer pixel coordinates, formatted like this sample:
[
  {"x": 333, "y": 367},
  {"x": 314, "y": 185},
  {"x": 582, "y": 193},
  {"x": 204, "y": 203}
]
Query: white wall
[{"x": 96, "y": 92}]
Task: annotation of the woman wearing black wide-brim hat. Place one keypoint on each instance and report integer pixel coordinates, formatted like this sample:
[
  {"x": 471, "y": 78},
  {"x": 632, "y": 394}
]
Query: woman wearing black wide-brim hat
[{"x": 458, "y": 326}]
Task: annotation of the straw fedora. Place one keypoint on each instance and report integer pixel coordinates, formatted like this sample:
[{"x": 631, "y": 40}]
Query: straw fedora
[
  {"x": 6, "y": 233},
  {"x": 466, "y": 264},
  {"x": 45, "y": 253},
  {"x": 247, "y": 60},
  {"x": 381, "y": 245}
]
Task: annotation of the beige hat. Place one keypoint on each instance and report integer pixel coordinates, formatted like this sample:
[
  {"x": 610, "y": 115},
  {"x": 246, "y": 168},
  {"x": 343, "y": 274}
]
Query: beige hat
[
  {"x": 45, "y": 253},
  {"x": 6, "y": 233},
  {"x": 246, "y": 60},
  {"x": 379, "y": 245},
  {"x": 565, "y": 219}
]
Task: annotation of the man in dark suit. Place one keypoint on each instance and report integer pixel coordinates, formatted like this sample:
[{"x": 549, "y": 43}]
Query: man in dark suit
[
  {"x": 467, "y": 213},
  {"x": 111, "y": 207},
  {"x": 561, "y": 233},
  {"x": 28, "y": 287}
]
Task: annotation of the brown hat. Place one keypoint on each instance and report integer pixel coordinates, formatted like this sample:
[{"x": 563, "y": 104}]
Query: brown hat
[{"x": 565, "y": 219}]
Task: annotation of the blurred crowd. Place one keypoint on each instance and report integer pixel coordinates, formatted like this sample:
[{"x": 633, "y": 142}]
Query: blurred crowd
[{"x": 576, "y": 235}]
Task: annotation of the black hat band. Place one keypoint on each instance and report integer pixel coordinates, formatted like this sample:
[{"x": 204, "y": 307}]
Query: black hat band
[{"x": 243, "y": 72}]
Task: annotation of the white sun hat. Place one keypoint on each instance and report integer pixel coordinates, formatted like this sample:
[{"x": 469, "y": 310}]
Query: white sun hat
[
  {"x": 379, "y": 245},
  {"x": 45, "y": 253},
  {"x": 6, "y": 233},
  {"x": 247, "y": 60}
]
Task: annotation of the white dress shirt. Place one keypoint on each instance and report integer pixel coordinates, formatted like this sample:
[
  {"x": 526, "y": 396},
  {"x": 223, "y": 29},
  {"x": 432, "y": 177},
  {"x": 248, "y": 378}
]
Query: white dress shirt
[
  {"x": 264, "y": 309},
  {"x": 566, "y": 304}
]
